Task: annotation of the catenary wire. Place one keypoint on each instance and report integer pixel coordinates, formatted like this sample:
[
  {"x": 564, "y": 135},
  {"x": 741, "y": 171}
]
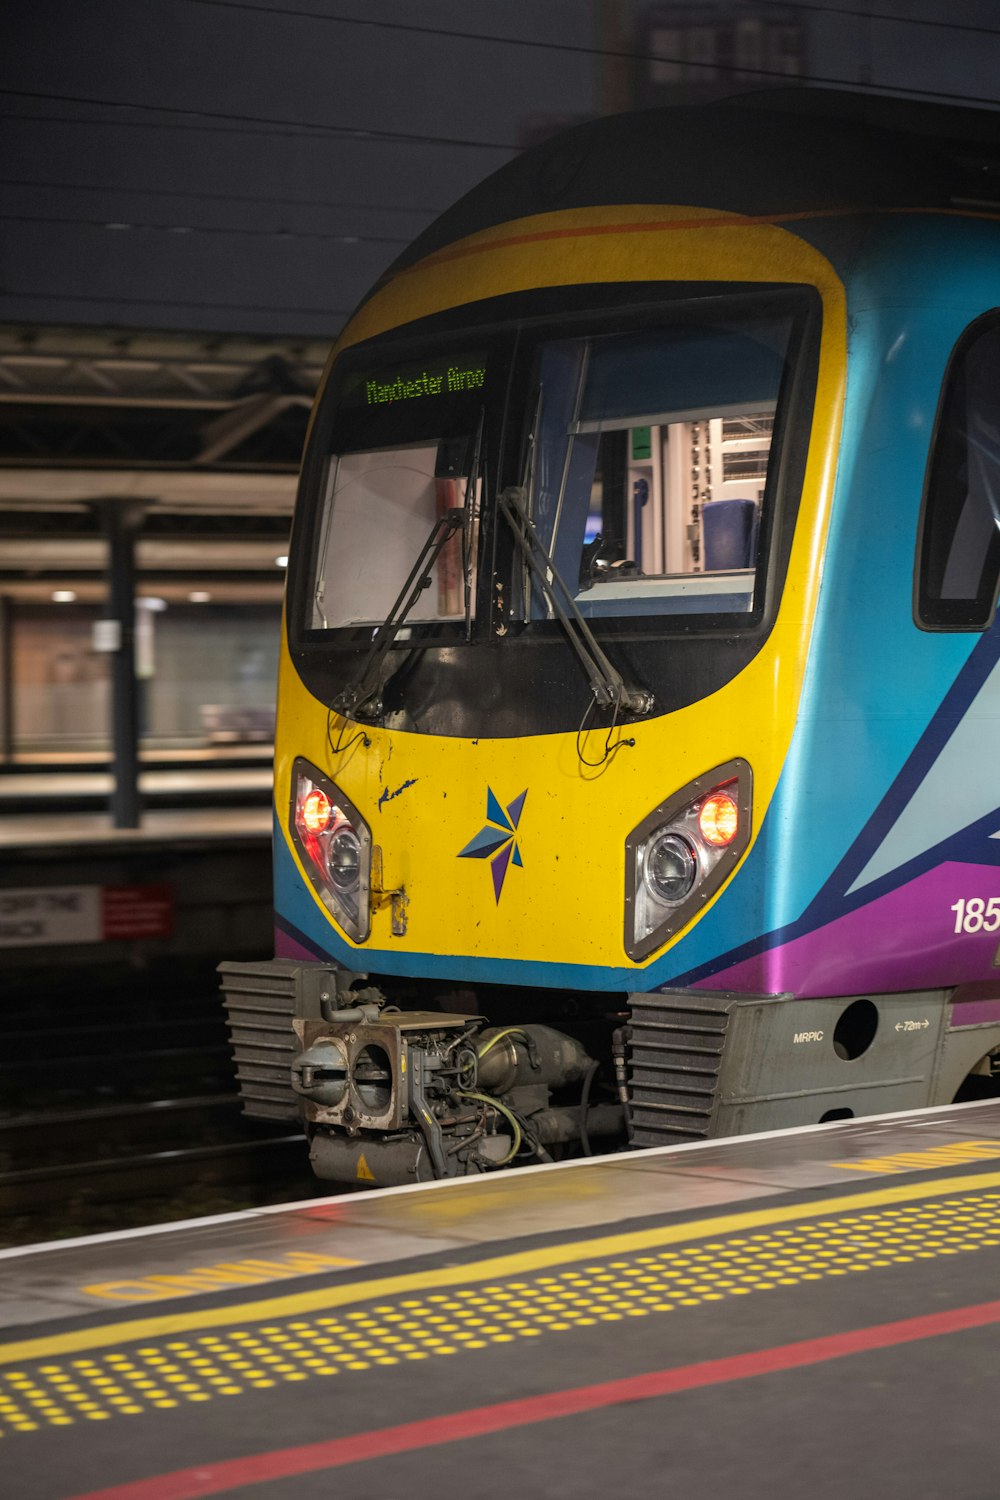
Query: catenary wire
[
  {"x": 261, "y": 129},
  {"x": 197, "y": 229},
  {"x": 338, "y": 132},
  {"x": 476, "y": 36},
  {"x": 189, "y": 193},
  {"x": 239, "y": 123},
  {"x": 12, "y": 293}
]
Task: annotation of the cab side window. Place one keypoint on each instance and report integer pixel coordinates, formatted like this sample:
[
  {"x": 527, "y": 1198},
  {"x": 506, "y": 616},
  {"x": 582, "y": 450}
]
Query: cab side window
[{"x": 959, "y": 547}]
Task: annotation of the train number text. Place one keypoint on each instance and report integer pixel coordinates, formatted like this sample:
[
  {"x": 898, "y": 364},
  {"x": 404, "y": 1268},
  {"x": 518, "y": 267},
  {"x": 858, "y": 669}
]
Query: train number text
[{"x": 973, "y": 914}]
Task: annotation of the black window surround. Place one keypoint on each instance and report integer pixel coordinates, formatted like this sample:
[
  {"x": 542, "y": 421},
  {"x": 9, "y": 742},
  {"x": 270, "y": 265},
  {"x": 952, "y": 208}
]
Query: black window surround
[{"x": 957, "y": 572}]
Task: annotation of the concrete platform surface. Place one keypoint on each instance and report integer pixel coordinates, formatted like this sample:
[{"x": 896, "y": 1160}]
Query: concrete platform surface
[{"x": 803, "y": 1314}]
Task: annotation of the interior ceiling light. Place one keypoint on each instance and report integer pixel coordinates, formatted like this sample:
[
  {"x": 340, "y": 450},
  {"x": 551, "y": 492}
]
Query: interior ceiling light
[
  {"x": 199, "y": 596},
  {"x": 282, "y": 561},
  {"x": 63, "y": 596}
]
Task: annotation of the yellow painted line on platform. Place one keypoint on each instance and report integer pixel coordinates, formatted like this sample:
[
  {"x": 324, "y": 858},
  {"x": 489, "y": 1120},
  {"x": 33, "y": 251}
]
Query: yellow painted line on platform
[
  {"x": 517, "y": 1263},
  {"x": 222, "y": 1276},
  {"x": 953, "y": 1155}
]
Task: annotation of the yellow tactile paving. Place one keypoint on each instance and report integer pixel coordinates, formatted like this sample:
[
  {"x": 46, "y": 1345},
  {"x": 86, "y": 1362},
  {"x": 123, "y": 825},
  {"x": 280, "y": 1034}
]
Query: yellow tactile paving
[
  {"x": 952, "y": 1155},
  {"x": 165, "y": 1373},
  {"x": 517, "y": 1262}
]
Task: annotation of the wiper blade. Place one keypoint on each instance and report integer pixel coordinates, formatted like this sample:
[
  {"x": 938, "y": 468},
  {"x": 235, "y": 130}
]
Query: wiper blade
[
  {"x": 363, "y": 699},
  {"x": 468, "y": 531},
  {"x": 606, "y": 683}
]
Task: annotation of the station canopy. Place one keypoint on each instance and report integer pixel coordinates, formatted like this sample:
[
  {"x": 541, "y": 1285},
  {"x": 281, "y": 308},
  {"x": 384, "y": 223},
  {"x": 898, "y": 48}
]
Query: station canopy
[{"x": 204, "y": 433}]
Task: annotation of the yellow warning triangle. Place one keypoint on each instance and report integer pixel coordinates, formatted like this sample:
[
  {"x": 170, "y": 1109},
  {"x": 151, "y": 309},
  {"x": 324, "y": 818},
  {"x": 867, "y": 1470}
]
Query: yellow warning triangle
[{"x": 365, "y": 1173}]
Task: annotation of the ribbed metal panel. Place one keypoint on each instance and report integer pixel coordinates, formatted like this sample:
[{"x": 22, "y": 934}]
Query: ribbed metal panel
[
  {"x": 260, "y": 1005},
  {"x": 675, "y": 1054}
]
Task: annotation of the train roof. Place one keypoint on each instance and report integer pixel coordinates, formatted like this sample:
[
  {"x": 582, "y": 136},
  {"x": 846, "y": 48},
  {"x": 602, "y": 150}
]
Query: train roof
[{"x": 769, "y": 152}]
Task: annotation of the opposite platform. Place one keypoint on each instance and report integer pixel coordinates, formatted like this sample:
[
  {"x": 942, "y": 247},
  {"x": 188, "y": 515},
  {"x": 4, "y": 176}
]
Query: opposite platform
[{"x": 33, "y": 834}]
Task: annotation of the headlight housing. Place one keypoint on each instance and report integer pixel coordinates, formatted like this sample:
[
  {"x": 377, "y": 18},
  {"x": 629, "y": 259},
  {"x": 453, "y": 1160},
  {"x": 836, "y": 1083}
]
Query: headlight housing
[
  {"x": 682, "y": 852},
  {"x": 335, "y": 846}
]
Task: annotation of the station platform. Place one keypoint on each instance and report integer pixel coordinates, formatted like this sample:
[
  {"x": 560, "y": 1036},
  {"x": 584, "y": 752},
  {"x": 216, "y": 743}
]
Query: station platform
[
  {"x": 61, "y": 799},
  {"x": 55, "y": 762},
  {"x": 38, "y": 792},
  {"x": 808, "y": 1313},
  {"x": 33, "y": 834}
]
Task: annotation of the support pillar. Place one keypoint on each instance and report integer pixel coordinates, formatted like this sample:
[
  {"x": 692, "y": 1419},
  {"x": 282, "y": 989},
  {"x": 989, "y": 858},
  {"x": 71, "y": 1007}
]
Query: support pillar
[
  {"x": 6, "y": 681},
  {"x": 122, "y": 521}
]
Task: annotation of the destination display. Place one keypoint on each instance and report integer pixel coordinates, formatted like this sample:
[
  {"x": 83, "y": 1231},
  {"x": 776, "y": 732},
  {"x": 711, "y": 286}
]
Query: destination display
[{"x": 445, "y": 376}]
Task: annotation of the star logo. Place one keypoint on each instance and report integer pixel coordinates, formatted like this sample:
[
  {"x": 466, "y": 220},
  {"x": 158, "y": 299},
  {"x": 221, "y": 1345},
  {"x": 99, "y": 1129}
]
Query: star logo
[{"x": 497, "y": 839}]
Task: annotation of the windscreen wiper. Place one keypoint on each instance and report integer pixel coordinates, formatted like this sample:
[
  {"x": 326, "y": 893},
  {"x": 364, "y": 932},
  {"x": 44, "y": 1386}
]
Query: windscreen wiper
[
  {"x": 363, "y": 698},
  {"x": 606, "y": 683}
]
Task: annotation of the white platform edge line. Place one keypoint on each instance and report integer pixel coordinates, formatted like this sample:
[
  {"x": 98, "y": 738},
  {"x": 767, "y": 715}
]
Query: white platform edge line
[{"x": 917, "y": 1117}]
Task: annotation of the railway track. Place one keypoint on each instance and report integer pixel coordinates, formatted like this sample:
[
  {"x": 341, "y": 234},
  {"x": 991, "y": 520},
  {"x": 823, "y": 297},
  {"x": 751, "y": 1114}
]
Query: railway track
[
  {"x": 125, "y": 1125},
  {"x": 48, "y": 1136},
  {"x": 73, "y": 1172},
  {"x": 70, "y": 1065},
  {"x": 150, "y": 1175}
]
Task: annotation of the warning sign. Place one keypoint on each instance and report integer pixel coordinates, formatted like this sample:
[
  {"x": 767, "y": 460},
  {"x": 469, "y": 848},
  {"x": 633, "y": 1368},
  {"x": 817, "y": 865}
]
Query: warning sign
[
  {"x": 47, "y": 916},
  {"x": 36, "y": 918},
  {"x": 136, "y": 911}
]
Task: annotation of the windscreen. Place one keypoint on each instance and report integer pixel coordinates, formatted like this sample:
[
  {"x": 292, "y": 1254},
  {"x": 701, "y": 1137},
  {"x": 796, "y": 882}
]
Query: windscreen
[
  {"x": 652, "y": 461},
  {"x": 648, "y": 445},
  {"x": 407, "y": 448}
]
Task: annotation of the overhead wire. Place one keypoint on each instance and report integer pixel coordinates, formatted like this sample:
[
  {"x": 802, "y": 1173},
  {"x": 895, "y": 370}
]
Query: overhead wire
[
  {"x": 449, "y": 32},
  {"x": 190, "y": 193},
  {"x": 873, "y": 15},
  {"x": 221, "y": 121},
  {"x": 275, "y": 125},
  {"x": 117, "y": 299},
  {"x": 337, "y": 132},
  {"x": 262, "y": 128},
  {"x": 196, "y": 229}
]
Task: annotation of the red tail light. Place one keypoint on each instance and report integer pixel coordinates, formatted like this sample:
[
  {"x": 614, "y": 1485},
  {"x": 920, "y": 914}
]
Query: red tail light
[{"x": 334, "y": 843}]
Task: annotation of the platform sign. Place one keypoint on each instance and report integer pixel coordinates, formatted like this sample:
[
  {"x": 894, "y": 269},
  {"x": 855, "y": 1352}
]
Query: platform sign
[
  {"x": 136, "y": 911},
  {"x": 50, "y": 916}
]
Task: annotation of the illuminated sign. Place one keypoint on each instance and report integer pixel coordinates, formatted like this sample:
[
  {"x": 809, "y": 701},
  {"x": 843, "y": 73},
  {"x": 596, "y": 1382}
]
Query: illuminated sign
[{"x": 414, "y": 382}]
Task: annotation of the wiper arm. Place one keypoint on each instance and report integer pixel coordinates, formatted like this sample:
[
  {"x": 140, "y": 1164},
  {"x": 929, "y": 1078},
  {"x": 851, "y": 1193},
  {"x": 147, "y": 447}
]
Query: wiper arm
[
  {"x": 364, "y": 697},
  {"x": 468, "y": 532},
  {"x": 606, "y": 683}
]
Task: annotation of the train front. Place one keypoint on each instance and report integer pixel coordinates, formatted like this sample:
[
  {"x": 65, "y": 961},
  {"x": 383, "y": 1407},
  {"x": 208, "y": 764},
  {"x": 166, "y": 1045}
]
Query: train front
[{"x": 549, "y": 598}]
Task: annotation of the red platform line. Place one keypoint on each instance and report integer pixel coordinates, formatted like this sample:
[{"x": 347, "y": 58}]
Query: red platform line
[{"x": 216, "y": 1479}]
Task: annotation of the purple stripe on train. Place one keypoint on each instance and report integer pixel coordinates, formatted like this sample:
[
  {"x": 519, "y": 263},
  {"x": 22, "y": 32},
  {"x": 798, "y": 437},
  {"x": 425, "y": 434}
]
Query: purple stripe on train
[
  {"x": 285, "y": 946},
  {"x": 905, "y": 940}
]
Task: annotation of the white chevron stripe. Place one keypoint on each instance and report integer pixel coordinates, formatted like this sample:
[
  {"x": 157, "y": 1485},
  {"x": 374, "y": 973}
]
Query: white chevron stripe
[{"x": 961, "y": 786}]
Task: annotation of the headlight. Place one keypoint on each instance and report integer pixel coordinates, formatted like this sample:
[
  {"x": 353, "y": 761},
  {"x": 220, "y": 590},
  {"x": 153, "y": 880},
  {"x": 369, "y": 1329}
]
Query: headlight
[
  {"x": 334, "y": 843},
  {"x": 344, "y": 859},
  {"x": 682, "y": 852},
  {"x": 670, "y": 867}
]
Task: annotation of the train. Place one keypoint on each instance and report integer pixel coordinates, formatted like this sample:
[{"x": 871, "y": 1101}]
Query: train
[{"x": 637, "y": 760}]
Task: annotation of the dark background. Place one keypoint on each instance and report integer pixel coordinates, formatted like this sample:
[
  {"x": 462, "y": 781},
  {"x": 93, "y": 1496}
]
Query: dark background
[{"x": 251, "y": 167}]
